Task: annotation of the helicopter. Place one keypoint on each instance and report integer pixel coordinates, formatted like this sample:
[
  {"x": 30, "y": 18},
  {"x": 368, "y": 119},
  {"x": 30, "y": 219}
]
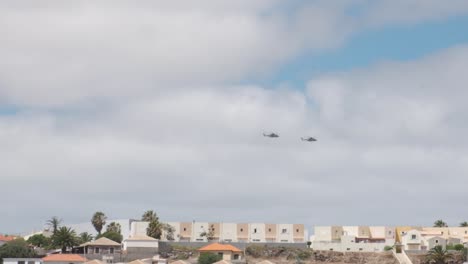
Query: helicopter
[
  {"x": 309, "y": 139},
  {"x": 272, "y": 135}
]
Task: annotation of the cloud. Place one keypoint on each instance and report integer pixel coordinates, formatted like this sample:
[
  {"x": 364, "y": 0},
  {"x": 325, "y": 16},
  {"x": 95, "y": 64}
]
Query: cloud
[{"x": 124, "y": 108}]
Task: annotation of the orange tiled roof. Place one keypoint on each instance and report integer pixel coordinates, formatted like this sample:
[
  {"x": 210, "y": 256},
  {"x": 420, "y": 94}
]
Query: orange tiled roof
[
  {"x": 219, "y": 247},
  {"x": 64, "y": 258},
  {"x": 6, "y": 238}
]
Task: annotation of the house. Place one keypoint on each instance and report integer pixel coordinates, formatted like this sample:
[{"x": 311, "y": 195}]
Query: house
[
  {"x": 413, "y": 240},
  {"x": 101, "y": 246},
  {"x": 22, "y": 261},
  {"x": 6, "y": 238},
  {"x": 141, "y": 243},
  {"x": 226, "y": 251},
  {"x": 64, "y": 259}
]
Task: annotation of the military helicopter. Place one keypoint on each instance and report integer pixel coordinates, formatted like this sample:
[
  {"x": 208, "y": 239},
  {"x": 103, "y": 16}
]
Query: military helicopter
[
  {"x": 272, "y": 135},
  {"x": 310, "y": 139}
]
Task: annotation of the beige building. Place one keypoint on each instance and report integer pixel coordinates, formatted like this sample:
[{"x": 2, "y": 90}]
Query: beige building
[{"x": 230, "y": 232}]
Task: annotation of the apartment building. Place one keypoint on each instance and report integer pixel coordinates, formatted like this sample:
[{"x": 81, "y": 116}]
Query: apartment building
[
  {"x": 234, "y": 232},
  {"x": 352, "y": 238}
]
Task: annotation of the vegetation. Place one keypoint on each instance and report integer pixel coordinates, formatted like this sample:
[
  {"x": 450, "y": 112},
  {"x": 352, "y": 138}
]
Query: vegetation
[
  {"x": 388, "y": 248},
  {"x": 169, "y": 230},
  {"x": 149, "y": 216},
  {"x": 309, "y": 243},
  {"x": 17, "y": 248},
  {"x": 438, "y": 255},
  {"x": 39, "y": 240},
  {"x": 64, "y": 238},
  {"x": 114, "y": 227},
  {"x": 440, "y": 223},
  {"x": 210, "y": 234},
  {"x": 208, "y": 258},
  {"x": 255, "y": 251},
  {"x": 303, "y": 255},
  {"x": 464, "y": 224},
  {"x": 155, "y": 228},
  {"x": 99, "y": 221},
  {"x": 457, "y": 247},
  {"x": 112, "y": 235},
  {"x": 54, "y": 223},
  {"x": 85, "y": 237}
]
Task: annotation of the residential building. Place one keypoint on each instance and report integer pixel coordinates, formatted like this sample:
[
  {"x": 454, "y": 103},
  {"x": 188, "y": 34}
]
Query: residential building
[
  {"x": 142, "y": 243},
  {"x": 22, "y": 261},
  {"x": 63, "y": 259},
  {"x": 5, "y": 238},
  {"x": 352, "y": 238},
  {"x": 226, "y": 251}
]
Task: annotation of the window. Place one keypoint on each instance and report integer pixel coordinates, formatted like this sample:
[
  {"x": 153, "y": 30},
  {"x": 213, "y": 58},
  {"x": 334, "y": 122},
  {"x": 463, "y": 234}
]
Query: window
[
  {"x": 96, "y": 250},
  {"x": 284, "y": 231},
  {"x": 348, "y": 249},
  {"x": 236, "y": 256},
  {"x": 111, "y": 250},
  {"x": 360, "y": 249},
  {"x": 185, "y": 229},
  {"x": 20, "y": 262},
  {"x": 255, "y": 230},
  {"x": 437, "y": 241},
  {"x": 242, "y": 230},
  {"x": 297, "y": 230},
  {"x": 220, "y": 254},
  {"x": 442, "y": 232},
  {"x": 212, "y": 229},
  {"x": 413, "y": 236},
  {"x": 31, "y": 262},
  {"x": 269, "y": 229},
  {"x": 466, "y": 232}
]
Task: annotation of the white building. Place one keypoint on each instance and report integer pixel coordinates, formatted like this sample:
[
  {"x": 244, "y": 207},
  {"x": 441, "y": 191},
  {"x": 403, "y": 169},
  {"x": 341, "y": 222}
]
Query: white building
[{"x": 22, "y": 261}]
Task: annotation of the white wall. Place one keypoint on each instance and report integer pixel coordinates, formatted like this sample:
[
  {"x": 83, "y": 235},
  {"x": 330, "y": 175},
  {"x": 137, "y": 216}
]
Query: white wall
[
  {"x": 257, "y": 232},
  {"x": 287, "y": 236},
  {"x": 228, "y": 232},
  {"x": 198, "y": 228},
  {"x": 26, "y": 260},
  {"x": 322, "y": 233},
  {"x": 138, "y": 228},
  {"x": 351, "y": 230},
  {"x": 140, "y": 244}
]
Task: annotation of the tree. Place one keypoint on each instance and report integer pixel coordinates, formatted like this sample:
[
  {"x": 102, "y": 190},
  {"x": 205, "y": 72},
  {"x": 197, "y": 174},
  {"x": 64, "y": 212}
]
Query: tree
[
  {"x": 438, "y": 255},
  {"x": 464, "y": 224},
  {"x": 39, "y": 240},
  {"x": 99, "y": 221},
  {"x": 114, "y": 227},
  {"x": 440, "y": 223},
  {"x": 149, "y": 216},
  {"x": 208, "y": 258},
  {"x": 210, "y": 234},
  {"x": 17, "y": 248},
  {"x": 309, "y": 243},
  {"x": 85, "y": 237},
  {"x": 169, "y": 231},
  {"x": 54, "y": 223},
  {"x": 64, "y": 238},
  {"x": 112, "y": 235},
  {"x": 154, "y": 229}
]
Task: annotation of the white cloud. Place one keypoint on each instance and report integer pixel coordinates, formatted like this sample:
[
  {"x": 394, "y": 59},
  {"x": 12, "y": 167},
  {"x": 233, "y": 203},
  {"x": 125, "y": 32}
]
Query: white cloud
[{"x": 137, "y": 111}]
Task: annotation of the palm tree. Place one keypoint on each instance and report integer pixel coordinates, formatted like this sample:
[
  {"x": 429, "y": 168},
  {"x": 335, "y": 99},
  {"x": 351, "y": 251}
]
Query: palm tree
[
  {"x": 440, "y": 223},
  {"x": 99, "y": 221},
  {"x": 64, "y": 238},
  {"x": 464, "y": 224},
  {"x": 114, "y": 227},
  {"x": 54, "y": 223},
  {"x": 154, "y": 229},
  {"x": 85, "y": 237},
  {"x": 438, "y": 255},
  {"x": 149, "y": 216}
]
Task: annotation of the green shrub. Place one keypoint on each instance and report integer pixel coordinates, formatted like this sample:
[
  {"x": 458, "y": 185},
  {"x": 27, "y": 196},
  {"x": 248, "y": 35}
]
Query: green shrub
[
  {"x": 209, "y": 258},
  {"x": 388, "y": 248}
]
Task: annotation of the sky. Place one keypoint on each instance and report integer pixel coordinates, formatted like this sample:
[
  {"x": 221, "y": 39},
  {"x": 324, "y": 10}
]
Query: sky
[{"x": 124, "y": 106}]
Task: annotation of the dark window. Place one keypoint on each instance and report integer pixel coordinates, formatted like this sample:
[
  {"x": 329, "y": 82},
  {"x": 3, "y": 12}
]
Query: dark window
[
  {"x": 269, "y": 229},
  {"x": 236, "y": 256},
  {"x": 242, "y": 230},
  {"x": 20, "y": 262},
  {"x": 255, "y": 230},
  {"x": 297, "y": 230},
  {"x": 31, "y": 262},
  {"x": 112, "y": 250},
  {"x": 96, "y": 250},
  {"x": 185, "y": 229}
]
